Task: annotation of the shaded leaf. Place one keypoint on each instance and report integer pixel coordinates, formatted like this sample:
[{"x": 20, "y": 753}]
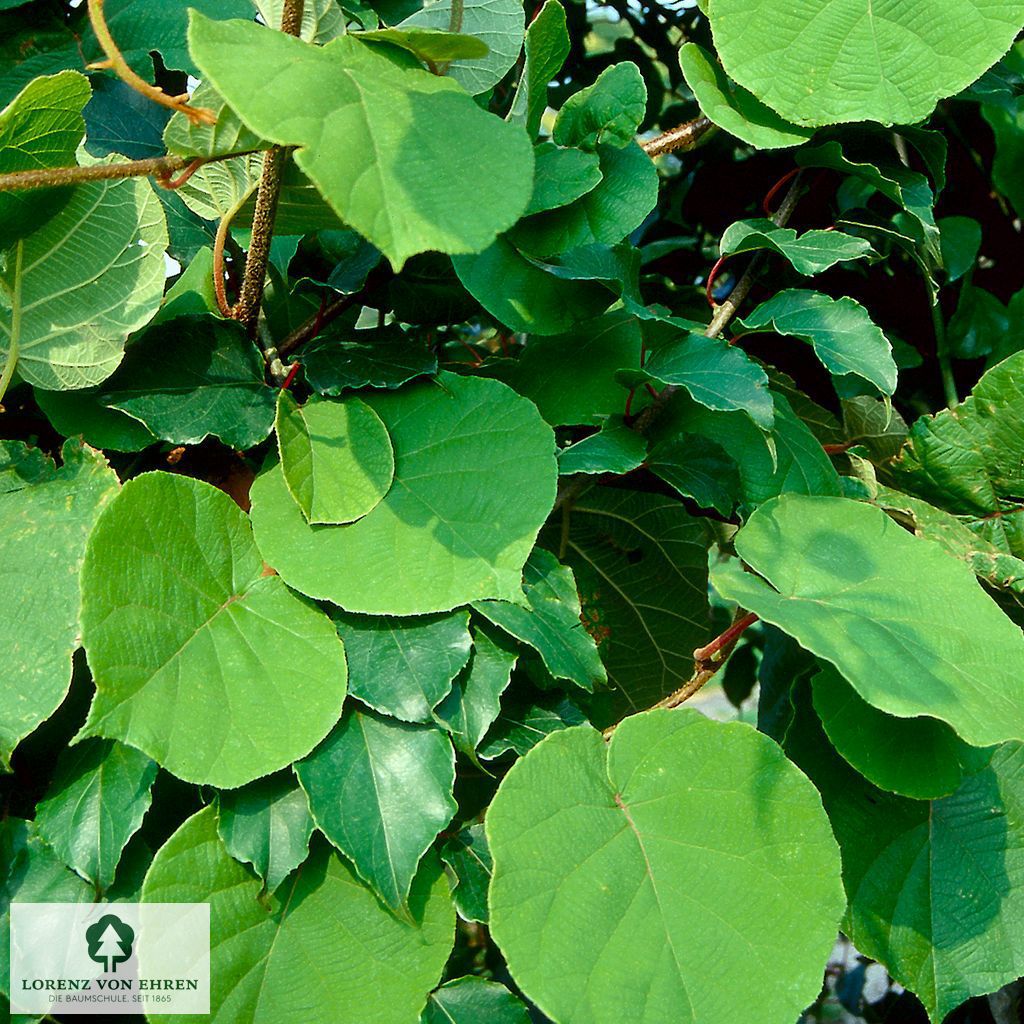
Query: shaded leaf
[
  {"x": 812, "y": 252},
  {"x": 615, "y": 448},
  {"x": 468, "y": 857},
  {"x": 699, "y": 469},
  {"x": 387, "y": 359},
  {"x": 472, "y": 999}
]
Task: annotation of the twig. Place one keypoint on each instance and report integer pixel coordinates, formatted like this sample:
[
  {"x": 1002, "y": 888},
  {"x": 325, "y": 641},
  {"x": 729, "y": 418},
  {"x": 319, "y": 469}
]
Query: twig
[
  {"x": 115, "y": 61},
  {"x": 309, "y": 330},
  {"x": 683, "y": 136},
  {"x": 707, "y": 661},
  {"x": 160, "y": 167},
  {"x": 219, "y": 242},
  {"x": 250, "y": 296}
]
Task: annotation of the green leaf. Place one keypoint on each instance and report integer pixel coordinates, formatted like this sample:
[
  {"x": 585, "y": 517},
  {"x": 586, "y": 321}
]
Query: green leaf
[
  {"x": 525, "y": 721},
  {"x": 1008, "y": 127},
  {"x": 266, "y": 824},
  {"x": 227, "y": 135},
  {"x": 386, "y": 359},
  {"x": 917, "y": 757},
  {"x": 439, "y": 538},
  {"x": 404, "y": 667},
  {"x": 381, "y": 790},
  {"x": 660, "y": 842},
  {"x": 960, "y": 240},
  {"x": 496, "y": 23},
  {"x": 191, "y": 378},
  {"x": 640, "y": 562},
  {"x": 978, "y": 324},
  {"x": 96, "y": 801},
  {"x": 44, "y": 526},
  {"x": 74, "y": 289},
  {"x": 840, "y": 331},
  {"x": 561, "y": 176},
  {"x": 699, "y": 469},
  {"x": 828, "y": 63},
  {"x": 550, "y": 622},
  {"x": 846, "y": 582},
  {"x": 615, "y": 448},
  {"x": 813, "y": 252},
  {"x": 323, "y": 934},
  {"x": 969, "y": 462},
  {"x": 474, "y": 702},
  {"x": 529, "y": 295},
  {"x": 931, "y": 885},
  {"x": 617, "y": 205},
  {"x": 789, "y": 459},
  {"x": 80, "y": 413},
  {"x": 209, "y": 665},
  {"x": 40, "y": 128},
  {"x": 733, "y": 108},
  {"x": 336, "y": 457},
  {"x": 608, "y": 112},
  {"x": 428, "y": 44},
  {"x": 355, "y": 105},
  {"x": 470, "y": 1000},
  {"x": 713, "y": 372},
  {"x": 547, "y": 46},
  {"x": 21, "y": 466},
  {"x": 468, "y": 859}
]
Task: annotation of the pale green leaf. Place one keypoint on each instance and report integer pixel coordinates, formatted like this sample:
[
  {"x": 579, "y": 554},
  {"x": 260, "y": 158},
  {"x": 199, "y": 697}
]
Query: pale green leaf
[
  {"x": 322, "y": 20},
  {"x": 336, "y": 457},
  {"x": 840, "y": 331},
  {"x": 561, "y": 176},
  {"x": 846, "y": 581},
  {"x": 550, "y": 622},
  {"x": 475, "y": 475},
  {"x": 404, "y": 667},
  {"x": 812, "y": 252},
  {"x": 856, "y": 61},
  {"x": 547, "y": 46},
  {"x": 72, "y": 291},
  {"x": 381, "y": 790},
  {"x": 732, "y": 107},
  {"x": 609, "y": 111},
  {"x": 428, "y": 44},
  {"x": 498, "y": 24},
  {"x": 321, "y": 940},
  {"x": 44, "y": 526},
  {"x": 266, "y": 824},
  {"x": 200, "y": 658},
  {"x": 382, "y": 143},
  {"x": 663, "y": 844}
]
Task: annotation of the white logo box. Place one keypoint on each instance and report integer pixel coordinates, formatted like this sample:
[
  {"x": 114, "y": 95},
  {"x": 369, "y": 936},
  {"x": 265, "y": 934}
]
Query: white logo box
[{"x": 110, "y": 958}]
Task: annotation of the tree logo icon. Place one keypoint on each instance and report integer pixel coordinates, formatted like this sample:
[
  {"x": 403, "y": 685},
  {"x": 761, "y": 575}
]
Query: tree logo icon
[{"x": 109, "y": 941}]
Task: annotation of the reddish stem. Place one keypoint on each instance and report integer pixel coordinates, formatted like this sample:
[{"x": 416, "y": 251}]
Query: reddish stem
[
  {"x": 726, "y": 640},
  {"x": 292, "y": 371},
  {"x": 171, "y": 184},
  {"x": 712, "y": 276},
  {"x": 838, "y": 449},
  {"x": 776, "y": 189}
]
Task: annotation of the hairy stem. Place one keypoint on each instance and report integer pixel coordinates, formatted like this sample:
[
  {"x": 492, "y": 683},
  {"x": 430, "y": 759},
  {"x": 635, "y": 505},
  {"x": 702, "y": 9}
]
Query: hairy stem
[
  {"x": 116, "y": 62},
  {"x": 12, "y": 350},
  {"x": 683, "y": 136}
]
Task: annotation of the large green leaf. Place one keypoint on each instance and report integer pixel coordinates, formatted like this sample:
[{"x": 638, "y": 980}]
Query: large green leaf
[
  {"x": 609, "y": 111},
  {"x": 640, "y": 562},
  {"x": 733, "y": 108},
  {"x": 933, "y": 887},
  {"x": 384, "y": 144},
  {"x": 44, "y": 526},
  {"x": 41, "y": 127},
  {"x": 970, "y": 461},
  {"x": 628, "y": 876},
  {"x": 267, "y": 824},
  {"x": 856, "y": 61},
  {"x": 404, "y": 667},
  {"x": 381, "y": 790},
  {"x": 201, "y": 659},
  {"x": 840, "y": 331},
  {"x": 73, "y": 290},
  {"x": 321, "y": 940},
  {"x": 336, "y": 457},
  {"x": 97, "y": 798},
  {"x": 471, "y": 1000},
  {"x": 192, "y": 377},
  {"x": 475, "y": 475},
  {"x": 547, "y": 46},
  {"x": 550, "y": 623},
  {"x": 497, "y": 23},
  {"x": 813, "y": 252},
  {"x": 918, "y": 757},
  {"x": 847, "y": 582}
]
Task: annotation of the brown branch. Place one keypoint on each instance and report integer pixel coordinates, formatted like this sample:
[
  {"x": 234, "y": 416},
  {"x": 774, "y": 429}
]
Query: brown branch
[
  {"x": 160, "y": 167},
  {"x": 115, "y": 61},
  {"x": 683, "y": 136}
]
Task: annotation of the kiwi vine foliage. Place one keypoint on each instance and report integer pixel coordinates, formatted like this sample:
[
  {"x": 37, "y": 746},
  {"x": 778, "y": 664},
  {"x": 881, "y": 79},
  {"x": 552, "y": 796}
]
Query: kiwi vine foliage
[{"x": 604, "y": 353}]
